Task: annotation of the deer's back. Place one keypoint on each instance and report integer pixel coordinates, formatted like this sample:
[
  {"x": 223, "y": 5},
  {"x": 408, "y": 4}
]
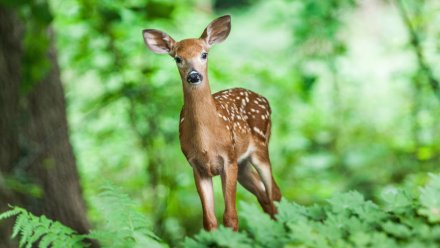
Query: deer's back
[{"x": 247, "y": 112}]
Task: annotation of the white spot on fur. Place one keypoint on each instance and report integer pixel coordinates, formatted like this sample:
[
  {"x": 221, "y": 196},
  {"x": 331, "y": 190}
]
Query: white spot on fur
[{"x": 258, "y": 131}]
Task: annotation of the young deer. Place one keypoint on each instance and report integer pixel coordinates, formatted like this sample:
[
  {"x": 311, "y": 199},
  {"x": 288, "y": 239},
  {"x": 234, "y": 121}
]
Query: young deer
[{"x": 224, "y": 134}]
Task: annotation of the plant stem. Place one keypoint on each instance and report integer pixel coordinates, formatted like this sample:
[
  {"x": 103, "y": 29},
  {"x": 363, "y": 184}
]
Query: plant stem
[{"x": 415, "y": 43}]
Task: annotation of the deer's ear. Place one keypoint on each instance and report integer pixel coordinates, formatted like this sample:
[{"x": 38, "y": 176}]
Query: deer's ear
[
  {"x": 158, "y": 41},
  {"x": 217, "y": 31}
]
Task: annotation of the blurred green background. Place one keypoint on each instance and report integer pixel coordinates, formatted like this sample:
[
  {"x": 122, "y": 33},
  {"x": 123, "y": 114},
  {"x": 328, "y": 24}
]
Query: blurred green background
[{"x": 353, "y": 87}]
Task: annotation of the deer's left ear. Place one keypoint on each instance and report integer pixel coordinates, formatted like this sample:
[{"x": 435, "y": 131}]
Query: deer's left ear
[{"x": 217, "y": 31}]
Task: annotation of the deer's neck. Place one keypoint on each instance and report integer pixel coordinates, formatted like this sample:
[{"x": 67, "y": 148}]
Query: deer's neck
[{"x": 199, "y": 107}]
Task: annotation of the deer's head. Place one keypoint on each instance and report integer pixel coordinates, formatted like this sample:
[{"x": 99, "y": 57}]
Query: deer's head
[{"x": 191, "y": 55}]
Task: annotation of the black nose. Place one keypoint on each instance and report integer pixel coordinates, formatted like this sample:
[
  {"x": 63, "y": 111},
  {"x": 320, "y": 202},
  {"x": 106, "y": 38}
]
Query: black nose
[{"x": 194, "y": 77}]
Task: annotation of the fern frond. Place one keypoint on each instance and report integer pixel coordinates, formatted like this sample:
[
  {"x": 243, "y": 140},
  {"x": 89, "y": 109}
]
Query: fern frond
[
  {"x": 26, "y": 230},
  {"x": 76, "y": 241},
  {"x": 47, "y": 240},
  {"x": 10, "y": 213},
  {"x": 31, "y": 230},
  {"x": 39, "y": 231},
  {"x": 124, "y": 226},
  {"x": 19, "y": 223}
]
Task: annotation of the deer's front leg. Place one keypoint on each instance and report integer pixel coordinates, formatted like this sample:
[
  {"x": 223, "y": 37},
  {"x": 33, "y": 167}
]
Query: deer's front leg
[
  {"x": 206, "y": 193},
  {"x": 229, "y": 185}
]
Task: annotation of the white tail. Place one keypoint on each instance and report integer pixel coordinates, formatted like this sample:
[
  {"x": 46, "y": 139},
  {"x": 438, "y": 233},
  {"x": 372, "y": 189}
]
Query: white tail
[{"x": 224, "y": 134}]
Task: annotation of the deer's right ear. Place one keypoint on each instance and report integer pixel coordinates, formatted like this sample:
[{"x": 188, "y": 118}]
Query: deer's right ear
[{"x": 158, "y": 41}]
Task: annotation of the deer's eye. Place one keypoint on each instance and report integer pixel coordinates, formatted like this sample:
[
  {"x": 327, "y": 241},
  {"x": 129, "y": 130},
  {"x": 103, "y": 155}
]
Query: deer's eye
[
  {"x": 178, "y": 60},
  {"x": 204, "y": 55}
]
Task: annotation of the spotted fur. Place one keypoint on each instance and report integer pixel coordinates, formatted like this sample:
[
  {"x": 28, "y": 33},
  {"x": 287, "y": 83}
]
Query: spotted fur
[{"x": 247, "y": 113}]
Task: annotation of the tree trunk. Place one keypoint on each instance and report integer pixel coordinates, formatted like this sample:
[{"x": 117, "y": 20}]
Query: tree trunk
[
  {"x": 37, "y": 164},
  {"x": 10, "y": 54}
]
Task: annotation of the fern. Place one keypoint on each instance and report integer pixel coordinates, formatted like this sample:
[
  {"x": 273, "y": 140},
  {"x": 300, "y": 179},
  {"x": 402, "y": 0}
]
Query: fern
[
  {"x": 31, "y": 230},
  {"x": 10, "y": 213},
  {"x": 346, "y": 220},
  {"x": 124, "y": 225}
]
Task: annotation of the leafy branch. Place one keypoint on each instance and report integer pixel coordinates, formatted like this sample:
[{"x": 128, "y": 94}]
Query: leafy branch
[{"x": 416, "y": 44}]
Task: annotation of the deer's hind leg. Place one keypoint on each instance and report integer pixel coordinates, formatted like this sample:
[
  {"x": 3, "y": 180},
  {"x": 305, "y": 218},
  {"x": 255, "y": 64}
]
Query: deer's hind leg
[
  {"x": 276, "y": 191},
  {"x": 261, "y": 162},
  {"x": 249, "y": 178}
]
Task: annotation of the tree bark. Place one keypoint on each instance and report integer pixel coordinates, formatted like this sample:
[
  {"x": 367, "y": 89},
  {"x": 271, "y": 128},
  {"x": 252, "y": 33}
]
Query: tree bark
[
  {"x": 34, "y": 140},
  {"x": 10, "y": 54}
]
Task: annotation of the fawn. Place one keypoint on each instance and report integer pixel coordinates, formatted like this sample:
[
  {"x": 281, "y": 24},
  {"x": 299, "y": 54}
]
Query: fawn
[{"x": 224, "y": 134}]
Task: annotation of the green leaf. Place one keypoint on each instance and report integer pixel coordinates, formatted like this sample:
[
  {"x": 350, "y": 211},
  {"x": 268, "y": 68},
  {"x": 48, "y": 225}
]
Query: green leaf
[
  {"x": 397, "y": 230},
  {"x": 346, "y": 202},
  {"x": 26, "y": 231},
  {"x": 291, "y": 212},
  {"x": 222, "y": 237},
  {"x": 47, "y": 240},
  {"x": 265, "y": 231},
  {"x": 398, "y": 201},
  {"x": 360, "y": 239},
  {"x": 10, "y": 213},
  {"x": 38, "y": 232},
  {"x": 430, "y": 199},
  {"x": 19, "y": 223}
]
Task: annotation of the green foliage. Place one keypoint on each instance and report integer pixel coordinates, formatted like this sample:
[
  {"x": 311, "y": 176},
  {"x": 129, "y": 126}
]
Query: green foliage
[
  {"x": 264, "y": 232},
  {"x": 124, "y": 226},
  {"x": 222, "y": 237},
  {"x": 31, "y": 229},
  {"x": 430, "y": 199},
  {"x": 348, "y": 220},
  {"x": 36, "y": 17},
  {"x": 319, "y": 23}
]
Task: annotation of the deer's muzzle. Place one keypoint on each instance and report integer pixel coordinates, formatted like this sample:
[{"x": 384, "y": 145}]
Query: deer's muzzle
[{"x": 194, "y": 77}]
